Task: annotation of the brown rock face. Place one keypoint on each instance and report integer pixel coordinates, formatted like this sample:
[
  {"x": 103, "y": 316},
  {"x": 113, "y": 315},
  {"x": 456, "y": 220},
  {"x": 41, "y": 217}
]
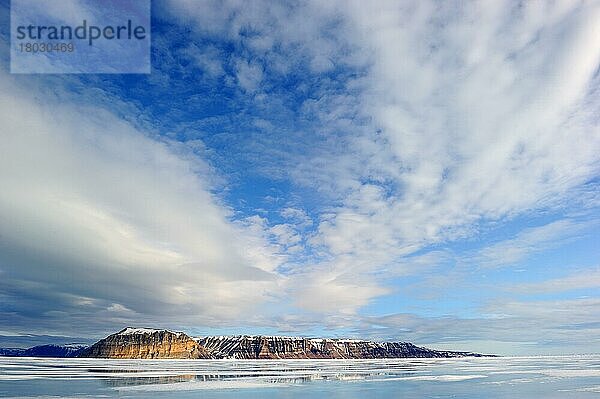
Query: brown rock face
[
  {"x": 133, "y": 343},
  {"x": 142, "y": 343}
]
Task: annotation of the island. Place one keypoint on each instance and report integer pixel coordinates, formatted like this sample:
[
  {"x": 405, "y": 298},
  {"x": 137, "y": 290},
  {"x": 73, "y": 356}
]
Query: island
[{"x": 149, "y": 343}]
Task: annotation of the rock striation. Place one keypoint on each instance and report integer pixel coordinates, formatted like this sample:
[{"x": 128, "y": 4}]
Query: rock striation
[
  {"x": 143, "y": 343},
  {"x": 273, "y": 347},
  {"x": 146, "y": 343}
]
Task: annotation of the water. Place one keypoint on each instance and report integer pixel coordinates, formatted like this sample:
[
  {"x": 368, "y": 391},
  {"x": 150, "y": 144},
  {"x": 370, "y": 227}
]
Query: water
[{"x": 525, "y": 377}]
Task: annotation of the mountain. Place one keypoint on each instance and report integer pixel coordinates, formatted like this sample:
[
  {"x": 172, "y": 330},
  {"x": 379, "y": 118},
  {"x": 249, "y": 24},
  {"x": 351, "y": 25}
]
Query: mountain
[
  {"x": 68, "y": 350},
  {"x": 12, "y": 352},
  {"x": 145, "y": 343},
  {"x": 272, "y": 347}
]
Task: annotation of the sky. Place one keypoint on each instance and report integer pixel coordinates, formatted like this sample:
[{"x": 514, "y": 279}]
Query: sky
[{"x": 415, "y": 171}]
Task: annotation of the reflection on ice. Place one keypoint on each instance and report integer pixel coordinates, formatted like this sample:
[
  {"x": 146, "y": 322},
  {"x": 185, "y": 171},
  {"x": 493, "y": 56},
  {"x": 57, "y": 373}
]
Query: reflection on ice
[
  {"x": 134, "y": 372},
  {"x": 579, "y": 375}
]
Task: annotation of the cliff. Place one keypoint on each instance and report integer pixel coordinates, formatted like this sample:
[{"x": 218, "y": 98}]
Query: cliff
[
  {"x": 270, "y": 347},
  {"x": 139, "y": 343},
  {"x": 142, "y": 343}
]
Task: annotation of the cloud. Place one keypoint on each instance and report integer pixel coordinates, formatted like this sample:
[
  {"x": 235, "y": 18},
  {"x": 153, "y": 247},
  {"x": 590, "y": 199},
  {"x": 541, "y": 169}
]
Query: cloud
[
  {"x": 529, "y": 241},
  {"x": 97, "y": 218},
  {"x": 420, "y": 148},
  {"x": 385, "y": 138},
  {"x": 298, "y": 216},
  {"x": 207, "y": 58},
  {"x": 249, "y": 75},
  {"x": 452, "y": 150},
  {"x": 538, "y": 327},
  {"x": 69, "y": 11},
  {"x": 586, "y": 279},
  {"x": 333, "y": 293}
]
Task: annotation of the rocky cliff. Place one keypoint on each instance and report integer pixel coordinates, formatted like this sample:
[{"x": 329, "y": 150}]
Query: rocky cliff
[
  {"x": 270, "y": 347},
  {"x": 143, "y": 343}
]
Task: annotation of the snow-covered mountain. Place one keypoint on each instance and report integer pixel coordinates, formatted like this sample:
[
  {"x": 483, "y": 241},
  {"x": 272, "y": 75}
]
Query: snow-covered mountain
[
  {"x": 68, "y": 350},
  {"x": 273, "y": 347},
  {"x": 149, "y": 343},
  {"x": 146, "y": 343},
  {"x": 152, "y": 343}
]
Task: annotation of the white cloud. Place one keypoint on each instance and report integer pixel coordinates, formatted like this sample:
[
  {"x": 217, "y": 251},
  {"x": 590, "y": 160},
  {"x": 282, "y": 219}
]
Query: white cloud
[
  {"x": 529, "y": 241},
  {"x": 298, "y": 216},
  {"x": 481, "y": 112},
  {"x": 580, "y": 280},
  {"x": 447, "y": 118},
  {"x": 249, "y": 75},
  {"x": 510, "y": 328},
  {"x": 456, "y": 116},
  {"x": 68, "y": 11},
  {"x": 94, "y": 215},
  {"x": 208, "y": 59},
  {"x": 333, "y": 293}
]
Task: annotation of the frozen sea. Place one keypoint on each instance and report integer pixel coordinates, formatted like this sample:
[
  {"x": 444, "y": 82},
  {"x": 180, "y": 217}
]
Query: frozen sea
[{"x": 507, "y": 377}]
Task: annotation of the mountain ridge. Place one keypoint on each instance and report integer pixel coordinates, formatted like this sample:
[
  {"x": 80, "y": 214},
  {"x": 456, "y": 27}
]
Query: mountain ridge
[
  {"x": 149, "y": 343},
  {"x": 49, "y": 350}
]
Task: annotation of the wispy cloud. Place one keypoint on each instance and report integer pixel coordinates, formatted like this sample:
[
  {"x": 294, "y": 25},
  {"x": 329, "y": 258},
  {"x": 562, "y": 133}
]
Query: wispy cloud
[
  {"x": 454, "y": 150},
  {"x": 586, "y": 279},
  {"x": 546, "y": 327},
  {"x": 529, "y": 242},
  {"x": 296, "y": 165}
]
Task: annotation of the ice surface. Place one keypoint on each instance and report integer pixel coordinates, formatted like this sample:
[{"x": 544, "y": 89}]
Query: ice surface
[{"x": 576, "y": 377}]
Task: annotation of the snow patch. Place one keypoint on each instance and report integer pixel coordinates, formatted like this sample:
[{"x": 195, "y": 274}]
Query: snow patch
[{"x": 142, "y": 331}]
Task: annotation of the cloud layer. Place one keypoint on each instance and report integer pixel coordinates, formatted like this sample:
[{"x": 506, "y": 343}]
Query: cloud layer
[
  {"x": 394, "y": 169},
  {"x": 99, "y": 219}
]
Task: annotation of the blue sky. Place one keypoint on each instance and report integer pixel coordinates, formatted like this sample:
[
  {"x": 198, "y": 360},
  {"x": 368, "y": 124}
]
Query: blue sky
[{"x": 415, "y": 171}]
